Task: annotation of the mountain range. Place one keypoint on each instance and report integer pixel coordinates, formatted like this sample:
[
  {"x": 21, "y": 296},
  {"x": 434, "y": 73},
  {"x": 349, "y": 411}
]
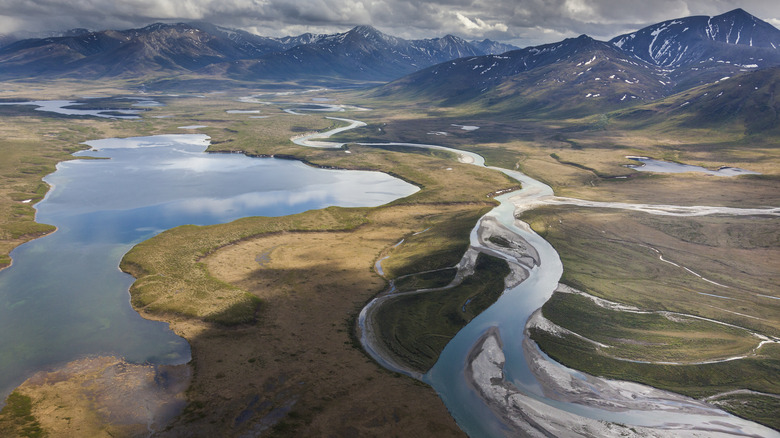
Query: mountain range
[
  {"x": 576, "y": 75},
  {"x": 573, "y": 77},
  {"x": 362, "y": 53}
]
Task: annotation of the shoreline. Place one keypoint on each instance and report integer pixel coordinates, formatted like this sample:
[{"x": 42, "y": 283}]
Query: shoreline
[
  {"x": 37, "y": 236},
  {"x": 526, "y": 408},
  {"x": 524, "y": 258},
  {"x": 528, "y": 416},
  {"x": 533, "y": 405},
  {"x": 124, "y": 398},
  {"x": 189, "y": 332}
]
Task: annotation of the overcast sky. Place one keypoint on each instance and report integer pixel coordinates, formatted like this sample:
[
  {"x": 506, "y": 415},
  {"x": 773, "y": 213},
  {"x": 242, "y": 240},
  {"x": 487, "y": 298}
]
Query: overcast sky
[{"x": 521, "y": 22}]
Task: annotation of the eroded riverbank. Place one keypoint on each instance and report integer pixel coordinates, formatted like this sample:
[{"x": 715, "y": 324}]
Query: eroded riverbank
[
  {"x": 296, "y": 333},
  {"x": 515, "y": 368}
]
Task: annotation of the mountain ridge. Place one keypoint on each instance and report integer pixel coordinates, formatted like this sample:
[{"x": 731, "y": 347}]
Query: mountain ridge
[
  {"x": 199, "y": 47},
  {"x": 695, "y": 31},
  {"x": 552, "y": 79},
  {"x": 581, "y": 75},
  {"x": 642, "y": 66}
]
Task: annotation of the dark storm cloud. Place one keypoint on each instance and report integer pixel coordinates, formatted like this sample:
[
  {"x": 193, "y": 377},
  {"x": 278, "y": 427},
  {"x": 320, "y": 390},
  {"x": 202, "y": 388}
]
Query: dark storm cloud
[{"x": 524, "y": 22}]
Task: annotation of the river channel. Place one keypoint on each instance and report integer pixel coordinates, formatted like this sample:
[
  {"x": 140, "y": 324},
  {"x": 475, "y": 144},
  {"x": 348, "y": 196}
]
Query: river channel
[
  {"x": 515, "y": 397},
  {"x": 64, "y": 297}
]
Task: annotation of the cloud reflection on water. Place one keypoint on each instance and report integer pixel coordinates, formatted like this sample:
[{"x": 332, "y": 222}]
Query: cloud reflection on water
[{"x": 64, "y": 295}]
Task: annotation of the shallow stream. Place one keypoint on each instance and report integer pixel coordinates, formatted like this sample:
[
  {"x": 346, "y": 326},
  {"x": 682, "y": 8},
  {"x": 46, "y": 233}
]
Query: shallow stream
[{"x": 663, "y": 413}]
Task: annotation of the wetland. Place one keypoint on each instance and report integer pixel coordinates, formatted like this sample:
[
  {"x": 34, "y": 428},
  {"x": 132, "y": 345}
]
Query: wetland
[{"x": 316, "y": 274}]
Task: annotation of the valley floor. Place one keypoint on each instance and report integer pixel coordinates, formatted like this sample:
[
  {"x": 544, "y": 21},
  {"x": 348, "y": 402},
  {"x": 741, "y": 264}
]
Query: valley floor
[{"x": 297, "y": 369}]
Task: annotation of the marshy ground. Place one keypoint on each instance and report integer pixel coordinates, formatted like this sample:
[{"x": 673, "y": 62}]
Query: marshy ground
[{"x": 268, "y": 305}]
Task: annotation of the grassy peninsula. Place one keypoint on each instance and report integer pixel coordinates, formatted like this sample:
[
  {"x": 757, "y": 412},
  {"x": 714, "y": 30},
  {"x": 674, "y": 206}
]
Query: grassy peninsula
[
  {"x": 276, "y": 337},
  {"x": 299, "y": 301},
  {"x": 268, "y": 304}
]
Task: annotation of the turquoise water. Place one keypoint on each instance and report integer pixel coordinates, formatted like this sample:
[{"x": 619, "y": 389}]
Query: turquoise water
[
  {"x": 509, "y": 315},
  {"x": 64, "y": 296}
]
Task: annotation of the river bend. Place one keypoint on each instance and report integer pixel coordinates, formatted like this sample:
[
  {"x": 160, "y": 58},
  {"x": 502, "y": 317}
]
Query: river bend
[{"x": 496, "y": 382}]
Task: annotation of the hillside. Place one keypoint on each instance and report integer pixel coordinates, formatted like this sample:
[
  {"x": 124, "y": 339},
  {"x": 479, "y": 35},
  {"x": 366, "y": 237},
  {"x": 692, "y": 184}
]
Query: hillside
[
  {"x": 363, "y": 53},
  {"x": 749, "y": 102},
  {"x": 581, "y": 76},
  {"x": 699, "y": 49},
  {"x": 575, "y": 76}
]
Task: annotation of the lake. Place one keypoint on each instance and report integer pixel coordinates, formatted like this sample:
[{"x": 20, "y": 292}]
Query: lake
[
  {"x": 651, "y": 165},
  {"x": 64, "y": 296}
]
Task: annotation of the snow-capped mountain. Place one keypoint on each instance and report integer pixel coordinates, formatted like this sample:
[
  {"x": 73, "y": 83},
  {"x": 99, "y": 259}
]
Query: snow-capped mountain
[
  {"x": 565, "y": 74},
  {"x": 369, "y": 45},
  {"x": 248, "y": 44},
  {"x": 6, "y": 39},
  {"x": 581, "y": 74},
  {"x": 699, "y": 50},
  {"x": 647, "y": 64},
  {"x": 157, "y": 48},
  {"x": 689, "y": 40},
  {"x": 363, "y": 53}
]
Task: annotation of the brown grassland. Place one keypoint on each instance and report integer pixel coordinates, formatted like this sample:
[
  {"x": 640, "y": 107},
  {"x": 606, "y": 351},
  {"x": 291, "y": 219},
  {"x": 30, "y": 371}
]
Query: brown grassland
[
  {"x": 268, "y": 304},
  {"x": 264, "y": 354}
]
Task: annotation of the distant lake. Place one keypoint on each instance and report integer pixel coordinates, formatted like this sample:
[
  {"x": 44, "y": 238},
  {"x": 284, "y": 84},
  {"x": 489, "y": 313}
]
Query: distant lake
[
  {"x": 651, "y": 165},
  {"x": 69, "y": 108},
  {"x": 64, "y": 296}
]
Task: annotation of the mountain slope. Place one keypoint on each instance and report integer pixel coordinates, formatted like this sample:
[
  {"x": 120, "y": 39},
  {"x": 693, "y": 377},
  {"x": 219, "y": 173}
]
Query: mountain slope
[
  {"x": 749, "y": 102},
  {"x": 488, "y": 47},
  {"x": 157, "y": 48},
  {"x": 572, "y": 76},
  {"x": 362, "y": 53},
  {"x": 6, "y": 39},
  {"x": 582, "y": 75},
  {"x": 702, "y": 49}
]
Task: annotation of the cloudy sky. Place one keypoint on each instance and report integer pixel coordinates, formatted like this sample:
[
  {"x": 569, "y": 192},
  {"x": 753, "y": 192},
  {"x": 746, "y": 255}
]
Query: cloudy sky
[{"x": 521, "y": 22}]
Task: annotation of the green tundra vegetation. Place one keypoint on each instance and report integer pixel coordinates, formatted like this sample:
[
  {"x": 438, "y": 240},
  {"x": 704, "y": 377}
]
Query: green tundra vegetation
[
  {"x": 258, "y": 331},
  {"x": 418, "y": 326},
  {"x": 617, "y": 256},
  {"x": 16, "y": 418}
]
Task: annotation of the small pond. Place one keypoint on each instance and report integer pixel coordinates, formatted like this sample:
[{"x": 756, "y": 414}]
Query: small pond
[{"x": 651, "y": 165}]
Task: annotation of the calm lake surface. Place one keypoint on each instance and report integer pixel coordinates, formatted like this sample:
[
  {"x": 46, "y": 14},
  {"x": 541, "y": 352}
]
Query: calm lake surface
[
  {"x": 64, "y": 297},
  {"x": 70, "y": 108},
  {"x": 651, "y": 165}
]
